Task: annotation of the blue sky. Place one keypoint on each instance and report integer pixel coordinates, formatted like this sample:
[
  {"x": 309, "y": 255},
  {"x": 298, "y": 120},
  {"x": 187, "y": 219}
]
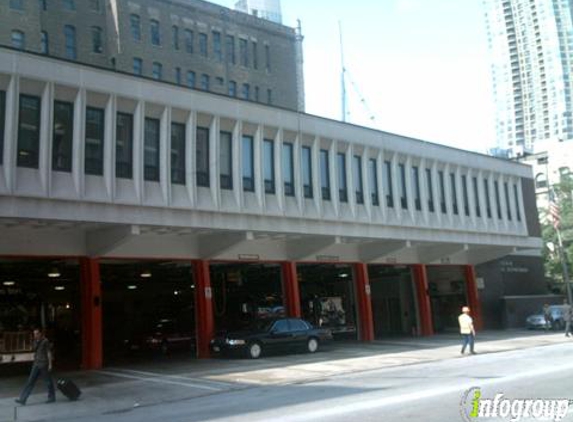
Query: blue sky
[{"x": 420, "y": 65}]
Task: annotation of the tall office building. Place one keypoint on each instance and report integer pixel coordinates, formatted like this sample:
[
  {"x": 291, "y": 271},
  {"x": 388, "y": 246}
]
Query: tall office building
[
  {"x": 266, "y": 9},
  {"x": 531, "y": 45}
]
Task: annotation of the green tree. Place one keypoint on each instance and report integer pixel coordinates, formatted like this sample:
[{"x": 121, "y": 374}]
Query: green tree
[{"x": 553, "y": 267}]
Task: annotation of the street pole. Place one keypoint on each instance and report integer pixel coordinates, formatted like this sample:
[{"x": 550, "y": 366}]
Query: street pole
[{"x": 563, "y": 258}]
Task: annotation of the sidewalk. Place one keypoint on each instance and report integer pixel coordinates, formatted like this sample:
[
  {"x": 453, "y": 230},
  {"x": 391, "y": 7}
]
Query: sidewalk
[{"x": 120, "y": 389}]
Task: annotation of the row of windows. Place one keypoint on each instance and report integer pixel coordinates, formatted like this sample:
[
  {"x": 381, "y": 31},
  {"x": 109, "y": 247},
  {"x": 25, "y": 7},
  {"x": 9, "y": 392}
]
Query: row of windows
[
  {"x": 69, "y": 5},
  {"x": 28, "y": 156},
  {"x": 204, "y": 81},
  {"x": 248, "y": 53},
  {"x": 18, "y": 40}
]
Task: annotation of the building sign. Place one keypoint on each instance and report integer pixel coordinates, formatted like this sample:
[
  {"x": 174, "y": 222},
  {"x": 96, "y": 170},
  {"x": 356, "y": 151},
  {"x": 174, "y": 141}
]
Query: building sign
[{"x": 508, "y": 266}]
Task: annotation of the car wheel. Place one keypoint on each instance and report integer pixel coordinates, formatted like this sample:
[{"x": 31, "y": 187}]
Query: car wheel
[
  {"x": 312, "y": 345},
  {"x": 255, "y": 350}
]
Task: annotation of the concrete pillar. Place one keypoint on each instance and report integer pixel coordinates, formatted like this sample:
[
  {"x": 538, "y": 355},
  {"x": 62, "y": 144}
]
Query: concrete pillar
[
  {"x": 205, "y": 322},
  {"x": 424, "y": 306},
  {"x": 290, "y": 289},
  {"x": 91, "y": 314},
  {"x": 364, "y": 302},
  {"x": 473, "y": 297}
]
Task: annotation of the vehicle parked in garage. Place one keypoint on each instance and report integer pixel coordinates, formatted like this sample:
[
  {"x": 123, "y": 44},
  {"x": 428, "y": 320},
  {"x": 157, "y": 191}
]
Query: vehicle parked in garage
[
  {"x": 537, "y": 321},
  {"x": 266, "y": 335},
  {"x": 167, "y": 335}
]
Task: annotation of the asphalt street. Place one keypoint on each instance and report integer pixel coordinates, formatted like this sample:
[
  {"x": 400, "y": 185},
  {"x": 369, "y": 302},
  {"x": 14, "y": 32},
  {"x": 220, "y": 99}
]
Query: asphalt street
[{"x": 432, "y": 391}]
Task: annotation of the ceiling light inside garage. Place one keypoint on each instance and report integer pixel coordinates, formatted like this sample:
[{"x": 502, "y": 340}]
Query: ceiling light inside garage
[
  {"x": 145, "y": 274},
  {"x": 131, "y": 287},
  {"x": 54, "y": 273},
  {"x": 59, "y": 288},
  {"x": 9, "y": 283}
]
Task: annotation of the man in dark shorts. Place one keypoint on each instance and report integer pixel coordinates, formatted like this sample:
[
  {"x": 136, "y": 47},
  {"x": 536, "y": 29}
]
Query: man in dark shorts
[{"x": 42, "y": 367}]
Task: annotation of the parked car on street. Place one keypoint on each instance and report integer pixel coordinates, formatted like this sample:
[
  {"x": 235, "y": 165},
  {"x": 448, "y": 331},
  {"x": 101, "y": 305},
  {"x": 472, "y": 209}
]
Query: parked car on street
[
  {"x": 537, "y": 321},
  {"x": 276, "y": 334}
]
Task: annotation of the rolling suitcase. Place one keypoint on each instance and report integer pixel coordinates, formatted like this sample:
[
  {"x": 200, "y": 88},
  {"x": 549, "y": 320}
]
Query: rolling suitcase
[{"x": 68, "y": 388}]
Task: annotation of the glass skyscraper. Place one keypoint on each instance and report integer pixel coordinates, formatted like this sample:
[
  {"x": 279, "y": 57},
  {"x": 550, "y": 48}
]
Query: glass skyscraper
[{"x": 531, "y": 47}]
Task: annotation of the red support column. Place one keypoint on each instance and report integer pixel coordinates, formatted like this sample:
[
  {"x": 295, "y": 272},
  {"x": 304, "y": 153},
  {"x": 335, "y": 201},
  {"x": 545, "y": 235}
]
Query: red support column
[
  {"x": 91, "y": 314},
  {"x": 473, "y": 297},
  {"x": 290, "y": 289},
  {"x": 424, "y": 306},
  {"x": 364, "y": 302},
  {"x": 205, "y": 325}
]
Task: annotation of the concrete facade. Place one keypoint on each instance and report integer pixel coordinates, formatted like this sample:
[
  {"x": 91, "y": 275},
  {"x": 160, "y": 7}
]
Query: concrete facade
[{"x": 241, "y": 55}]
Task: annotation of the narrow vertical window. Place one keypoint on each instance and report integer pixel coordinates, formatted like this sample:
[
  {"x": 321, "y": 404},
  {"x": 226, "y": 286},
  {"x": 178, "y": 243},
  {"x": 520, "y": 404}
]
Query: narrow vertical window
[
  {"x": 487, "y": 198},
  {"x": 389, "y": 185},
  {"x": 93, "y": 160},
  {"x": 17, "y": 4},
  {"x": 18, "y": 40},
  {"x": 203, "y": 44},
  {"x": 465, "y": 195},
  {"x": 232, "y": 89},
  {"x": 373, "y": 179},
  {"x": 69, "y": 5},
  {"x": 175, "y": 37},
  {"x": 191, "y": 79},
  {"x": 497, "y": 199},
  {"x": 226, "y": 160},
  {"x": 288, "y": 169},
  {"x": 248, "y": 164},
  {"x": 189, "y": 41},
  {"x": 515, "y": 195},
  {"x": 217, "y": 49},
  {"x": 63, "y": 135},
  {"x": 135, "y": 26},
  {"x": 29, "y": 131},
  {"x": 453, "y": 186},
  {"x": 269, "y": 165},
  {"x": 357, "y": 176},
  {"x": 324, "y": 175},
  {"x": 97, "y": 39},
  {"x": 342, "y": 186},
  {"x": 177, "y": 153},
  {"x": 246, "y": 91},
  {"x": 267, "y": 58},
  {"x": 124, "y": 146},
  {"x": 43, "y": 4},
  {"x": 257, "y": 94},
  {"x": 243, "y": 52},
  {"x": 205, "y": 82},
  {"x": 476, "y": 196},
  {"x": 255, "y": 56},
  {"x": 2, "y": 123},
  {"x": 416, "y": 188},
  {"x": 269, "y": 96},
  {"x": 403, "y": 188},
  {"x": 70, "y": 38},
  {"x": 151, "y": 150},
  {"x": 306, "y": 160},
  {"x": 178, "y": 75},
  {"x": 442, "y": 192},
  {"x": 44, "y": 43},
  {"x": 430, "y": 190},
  {"x": 137, "y": 66},
  {"x": 202, "y": 156},
  {"x": 507, "y": 202},
  {"x": 157, "y": 70},
  {"x": 155, "y": 32},
  {"x": 230, "y": 48}
]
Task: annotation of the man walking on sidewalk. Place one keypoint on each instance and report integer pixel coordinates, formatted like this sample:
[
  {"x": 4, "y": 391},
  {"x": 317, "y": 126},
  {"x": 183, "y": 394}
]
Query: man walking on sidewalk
[
  {"x": 42, "y": 366},
  {"x": 567, "y": 317},
  {"x": 467, "y": 330}
]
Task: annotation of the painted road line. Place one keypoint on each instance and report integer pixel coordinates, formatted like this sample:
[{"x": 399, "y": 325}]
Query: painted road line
[
  {"x": 159, "y": 380},
  {"x": 176, "y": 377}
]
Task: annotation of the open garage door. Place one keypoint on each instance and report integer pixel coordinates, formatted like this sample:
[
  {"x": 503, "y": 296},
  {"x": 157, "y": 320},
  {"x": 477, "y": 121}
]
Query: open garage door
[
  {"x": 40, "y": 293},
  {"x": 148, "y": 309}
]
